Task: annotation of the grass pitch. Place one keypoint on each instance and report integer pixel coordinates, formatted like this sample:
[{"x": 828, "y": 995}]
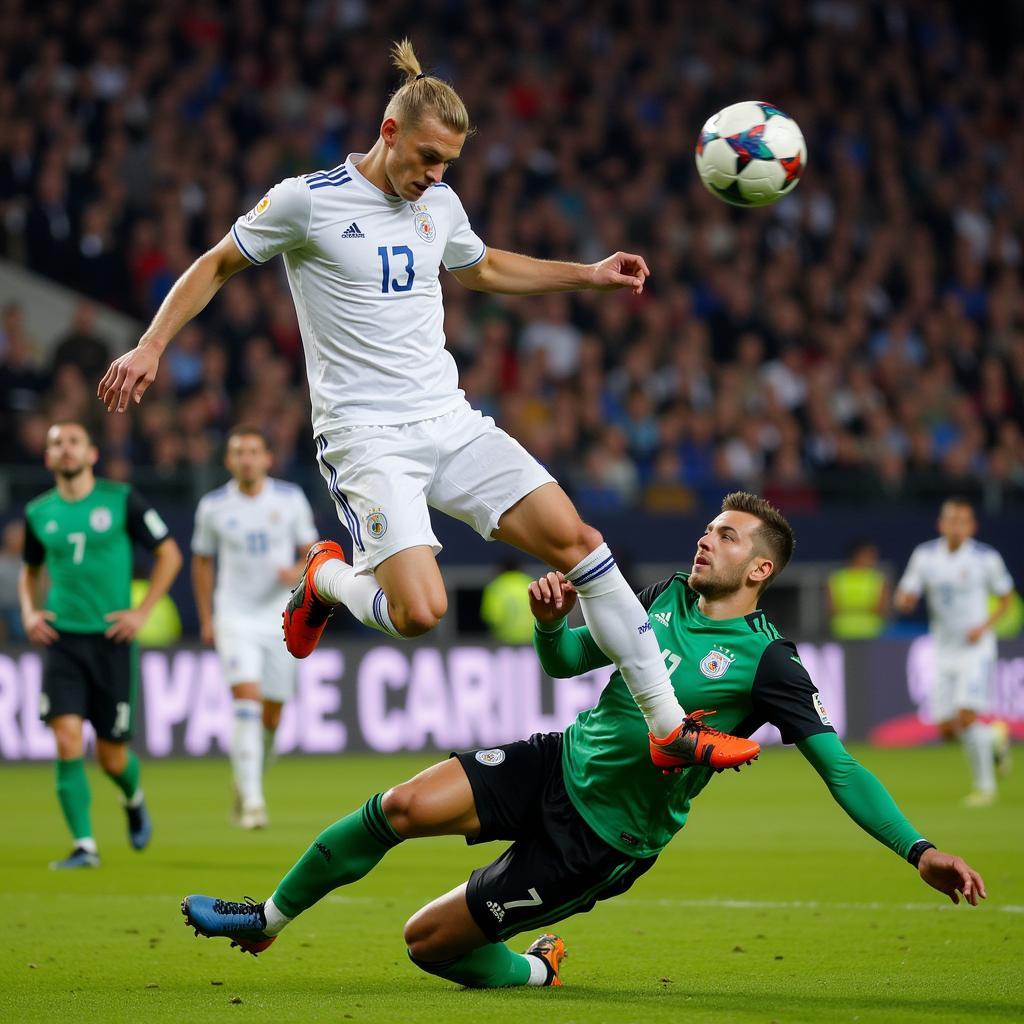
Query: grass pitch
[{"x": 770, "y": 906}]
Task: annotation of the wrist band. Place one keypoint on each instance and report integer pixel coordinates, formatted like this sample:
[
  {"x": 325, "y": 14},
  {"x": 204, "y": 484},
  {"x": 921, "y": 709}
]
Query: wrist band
[{"x": 917, "y": 851}]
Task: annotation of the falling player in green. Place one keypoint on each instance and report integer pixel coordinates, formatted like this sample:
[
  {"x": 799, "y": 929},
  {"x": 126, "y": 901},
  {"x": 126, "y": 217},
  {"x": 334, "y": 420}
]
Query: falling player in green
[
  {"x": 585, "y": 810},
  {"x": 83, "y": 530}
]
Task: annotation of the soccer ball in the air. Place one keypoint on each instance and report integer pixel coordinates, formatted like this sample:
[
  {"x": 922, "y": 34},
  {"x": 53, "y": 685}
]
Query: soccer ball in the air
[{"x": 751, "y": 154}]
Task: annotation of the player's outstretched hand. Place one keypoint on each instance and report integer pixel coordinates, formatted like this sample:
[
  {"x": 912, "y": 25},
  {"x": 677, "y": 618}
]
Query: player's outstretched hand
[
  {"x": 621, "y": 270},
  {"x": 38, "y": 628},
  {"x": 552, "y": 597},
  {"x": 124, "y": 624},
  {"x": 952, "y": 875},
  {"x": 127, "y": 378}
]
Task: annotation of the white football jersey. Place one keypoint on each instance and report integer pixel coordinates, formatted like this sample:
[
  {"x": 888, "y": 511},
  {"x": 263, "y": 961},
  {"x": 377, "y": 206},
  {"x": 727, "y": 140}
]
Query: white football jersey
[
  {"x": 363, "y": 268},
  {"x": 956, "y": 586},
  {"x": 252, "y": 537}
]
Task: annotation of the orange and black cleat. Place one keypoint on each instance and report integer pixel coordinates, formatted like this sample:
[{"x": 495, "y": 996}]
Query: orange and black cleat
[
  {"x": 694, "y": 743},
  {"x": 551, "y": 949},
  {"x": 306, "y": 614}
]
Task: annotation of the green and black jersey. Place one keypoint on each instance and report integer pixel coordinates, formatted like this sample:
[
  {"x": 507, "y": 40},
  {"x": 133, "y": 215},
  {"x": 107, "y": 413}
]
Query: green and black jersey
[
  {"x": 87, "y": 547},
  {"x": 746, "y": 672}
]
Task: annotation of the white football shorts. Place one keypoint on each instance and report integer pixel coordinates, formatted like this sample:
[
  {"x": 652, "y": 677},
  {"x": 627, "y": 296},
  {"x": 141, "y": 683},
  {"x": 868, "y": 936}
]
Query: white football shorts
[
  {"x": 385, "y": 479},
  {"x": 255, "y": 656},
  {"x": 963, "y": 680}
]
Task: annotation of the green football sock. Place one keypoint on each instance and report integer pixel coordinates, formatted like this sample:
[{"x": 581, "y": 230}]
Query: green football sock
[
  {"x": 493, "y": 966},
  {"x": 128, "y": 780},
  {"x": 341, "y": 854},
  {"x": 74, "y": 796}
]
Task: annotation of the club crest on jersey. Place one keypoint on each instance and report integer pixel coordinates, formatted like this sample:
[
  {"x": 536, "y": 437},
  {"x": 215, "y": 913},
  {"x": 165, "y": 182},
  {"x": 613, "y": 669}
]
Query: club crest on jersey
[
  {"x": 716, "y": 662},
  {"x": 424, "y": 224},
  {"x": 259, "y": 208},
  {"x": 376, "y": 524},
  {"x": 100, "y": 519}
]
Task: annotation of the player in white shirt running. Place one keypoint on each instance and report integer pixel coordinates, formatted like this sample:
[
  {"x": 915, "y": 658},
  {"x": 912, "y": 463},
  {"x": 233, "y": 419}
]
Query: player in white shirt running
[
  {"x": 254, "y": 526},
  {"x": 363, "y": 245},
  {"x": 957, "y": 574}
]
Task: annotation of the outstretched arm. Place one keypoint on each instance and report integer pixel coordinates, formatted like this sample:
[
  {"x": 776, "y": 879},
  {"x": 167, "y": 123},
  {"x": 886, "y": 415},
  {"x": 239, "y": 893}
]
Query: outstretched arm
[
  {"x": 868, "y": 802},
  {"x": 563, "y": 653},
  {"x": 130, "y": 375},
  {"x": 510, "y": 273}
]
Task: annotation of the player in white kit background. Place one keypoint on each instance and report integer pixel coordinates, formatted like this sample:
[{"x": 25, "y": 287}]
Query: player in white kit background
[
  {"x": 248, "y": 535},
  {"x": 956, "y": 574},
  {"x": 363, "y": 245}
]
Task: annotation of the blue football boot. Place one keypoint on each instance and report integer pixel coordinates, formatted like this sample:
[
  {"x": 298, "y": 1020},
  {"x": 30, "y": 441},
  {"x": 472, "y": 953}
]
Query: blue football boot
[
  {"x": 242, "y": 923},
  {"x": 140, "y": 826},
  {"x": 79, "y": 857}
]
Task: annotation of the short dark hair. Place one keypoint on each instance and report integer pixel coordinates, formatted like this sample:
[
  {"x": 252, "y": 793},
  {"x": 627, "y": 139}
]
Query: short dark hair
[
  {"x": 75, "y": 423},
  {"x": 248, "y": 430},
  {"x": 774, "y": 536},
  {"x": 960, "y": 501}
]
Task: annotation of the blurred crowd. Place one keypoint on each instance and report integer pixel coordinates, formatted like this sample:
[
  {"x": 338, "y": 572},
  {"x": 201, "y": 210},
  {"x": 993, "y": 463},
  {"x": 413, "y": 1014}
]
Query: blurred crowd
[{"x": 862, "y": 340}]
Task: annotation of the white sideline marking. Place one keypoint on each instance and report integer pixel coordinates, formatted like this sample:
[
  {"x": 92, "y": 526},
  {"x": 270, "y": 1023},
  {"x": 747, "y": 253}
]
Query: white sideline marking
[{"x": 1007, "y": 908}]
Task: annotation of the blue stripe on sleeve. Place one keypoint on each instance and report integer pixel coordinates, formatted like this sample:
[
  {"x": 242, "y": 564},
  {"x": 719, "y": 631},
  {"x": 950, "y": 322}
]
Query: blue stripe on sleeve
[
  {"x": 245, "y": 252},
  {"x": 471, "y": 263}
]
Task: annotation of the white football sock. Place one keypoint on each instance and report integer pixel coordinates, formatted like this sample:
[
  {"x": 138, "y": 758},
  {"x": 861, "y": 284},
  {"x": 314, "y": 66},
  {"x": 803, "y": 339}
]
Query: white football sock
[
  {"x": 247, "y": 750},
  {"x": 979, "y": 745},
  {"x": 540, "y": 970},
  {"x": 621, "y": 628},
  {"x": 276, "y": 921},
  {"x": 337, "y": 581},
  {"x": 269, "y": 753}
]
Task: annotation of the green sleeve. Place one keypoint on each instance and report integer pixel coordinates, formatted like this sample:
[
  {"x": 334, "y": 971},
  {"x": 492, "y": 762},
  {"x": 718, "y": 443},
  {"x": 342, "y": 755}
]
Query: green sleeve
[
  {"x": 859, "y": 793},
  {"x": 565, "y": 652}
]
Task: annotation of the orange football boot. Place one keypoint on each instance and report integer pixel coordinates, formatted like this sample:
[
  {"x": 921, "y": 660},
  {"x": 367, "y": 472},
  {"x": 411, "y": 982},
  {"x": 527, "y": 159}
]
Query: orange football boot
[
  {"x": 694, "y": 743},
  {"x": 306, "y": 614},
  {"x": 551, "y": 949}
]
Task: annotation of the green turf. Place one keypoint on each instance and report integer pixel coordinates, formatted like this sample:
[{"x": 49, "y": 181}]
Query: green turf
[{"x": 770, "y": 906}]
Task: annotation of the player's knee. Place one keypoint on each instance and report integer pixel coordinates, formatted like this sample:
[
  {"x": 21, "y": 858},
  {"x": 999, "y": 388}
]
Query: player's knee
[
  {"x": 418, "y": 934},
  {"x": 966, "y": 717},
  {"x": 113, "y": 760},
  {"x": 403, "y": 807},
  {"x": 68, "y": 738},
  {"x": 419, "y": 616}
]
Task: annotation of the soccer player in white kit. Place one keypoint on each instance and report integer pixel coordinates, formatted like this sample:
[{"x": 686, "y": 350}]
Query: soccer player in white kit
[
  {"x": 254, "y": 527},
  {"x": 363, "y": 244},
  {"x": 957, "y": 574}
]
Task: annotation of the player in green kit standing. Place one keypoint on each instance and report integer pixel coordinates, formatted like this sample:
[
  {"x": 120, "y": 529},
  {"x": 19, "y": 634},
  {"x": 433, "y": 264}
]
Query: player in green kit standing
[
  {"x": 83, "y": 531},
  {"x": 585, "y": 810}
]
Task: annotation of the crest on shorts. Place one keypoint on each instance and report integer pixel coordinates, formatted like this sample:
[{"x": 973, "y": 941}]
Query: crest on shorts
[
  {"x": 424, "y": 224},
  {"x": 376, "y": 524},
  {"x": 716, "y": 662},
  {"x": 100, "y": 519},
  {"x": 492, "y": 757}
]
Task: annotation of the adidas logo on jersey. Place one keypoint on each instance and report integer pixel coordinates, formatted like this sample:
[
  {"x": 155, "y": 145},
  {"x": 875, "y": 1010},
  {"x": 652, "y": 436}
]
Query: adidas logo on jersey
[
  {"x": 663, "y": 617},
  {"x": 352, "y": 231}
]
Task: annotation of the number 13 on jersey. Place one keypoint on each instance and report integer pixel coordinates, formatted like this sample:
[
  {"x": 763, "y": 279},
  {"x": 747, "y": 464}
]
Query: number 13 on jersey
[{"x": 389, "y": 283}]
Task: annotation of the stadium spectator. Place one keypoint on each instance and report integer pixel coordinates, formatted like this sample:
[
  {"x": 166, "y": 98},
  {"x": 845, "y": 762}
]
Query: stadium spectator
[{"x": 880, "y": 306}]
